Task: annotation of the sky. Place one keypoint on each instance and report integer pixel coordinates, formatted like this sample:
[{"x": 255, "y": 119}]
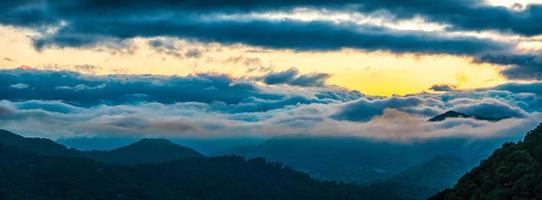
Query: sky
[{"x": 376, "y": 69}]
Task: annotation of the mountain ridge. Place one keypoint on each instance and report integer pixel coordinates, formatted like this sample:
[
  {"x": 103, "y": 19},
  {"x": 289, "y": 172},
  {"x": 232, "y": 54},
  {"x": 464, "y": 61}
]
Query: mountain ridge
[{"x": 146, "y": 150}]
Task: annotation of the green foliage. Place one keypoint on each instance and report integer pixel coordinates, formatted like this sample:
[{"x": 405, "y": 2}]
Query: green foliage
[{"x": 513, "y": 172}]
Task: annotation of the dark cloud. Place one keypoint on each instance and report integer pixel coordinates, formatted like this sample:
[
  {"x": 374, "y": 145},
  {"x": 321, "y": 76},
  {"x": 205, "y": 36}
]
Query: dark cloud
[
  {"x": 280, "y": 77},
  {"x": 166, "y": 46},
  {"x": 443, "y": 87},
  {"x": 342, "y": 94},
  {"x": 30, "y": 13},
  {"x": 91, "y": 22},
  {"x": 534, "y": 87},
  {"x": 293, "y": 77},
  {"x": 283, "y": 34},
  {"x": 520, "y": 66},
  {"x": 87, "y": 68},
  {"x": 254, "y": 64},
  {"x": 317, "y": 79},
  {"x": 465, "y": 14},
  {"x": 193, "y": 53}
]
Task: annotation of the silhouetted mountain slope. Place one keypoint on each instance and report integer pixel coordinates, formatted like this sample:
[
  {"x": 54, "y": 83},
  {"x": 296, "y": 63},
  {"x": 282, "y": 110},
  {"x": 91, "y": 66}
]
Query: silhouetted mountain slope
[
  {"x": 455, "y": 114},
  {"x": 96, "y": 143},
  {"x": 513, "y": 171},
  {"x": 206, "y": 146},
  {"x": 145, "y": 151},
  {"x": 40, "y": 146}
]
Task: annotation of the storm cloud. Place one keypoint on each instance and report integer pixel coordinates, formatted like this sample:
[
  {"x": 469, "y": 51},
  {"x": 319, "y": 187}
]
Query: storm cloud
[
  {"x": 83, "y": 23},
  {"x": 520, "y": 66}
]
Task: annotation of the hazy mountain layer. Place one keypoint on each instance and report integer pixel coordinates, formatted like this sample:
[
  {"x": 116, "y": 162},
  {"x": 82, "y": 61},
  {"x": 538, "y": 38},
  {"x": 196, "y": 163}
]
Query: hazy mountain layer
[
  {"x": 36, "y": 173},
  {"x": 361, "y": 160}
]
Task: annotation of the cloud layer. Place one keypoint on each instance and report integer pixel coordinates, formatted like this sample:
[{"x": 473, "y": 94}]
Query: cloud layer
[{"x": 216, "y": 105}]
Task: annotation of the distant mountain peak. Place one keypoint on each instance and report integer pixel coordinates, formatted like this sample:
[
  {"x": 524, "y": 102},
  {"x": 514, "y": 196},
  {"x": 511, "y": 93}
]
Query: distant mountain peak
[
  {"x": 157, "y": 145},
  {"x": 146, "y": 150},
  {"x": 153, "y": 141},
  {"x": 448, "y": 114},
  {"x": 153, "y": 144},
  {"x": 455, "y": 114}
]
